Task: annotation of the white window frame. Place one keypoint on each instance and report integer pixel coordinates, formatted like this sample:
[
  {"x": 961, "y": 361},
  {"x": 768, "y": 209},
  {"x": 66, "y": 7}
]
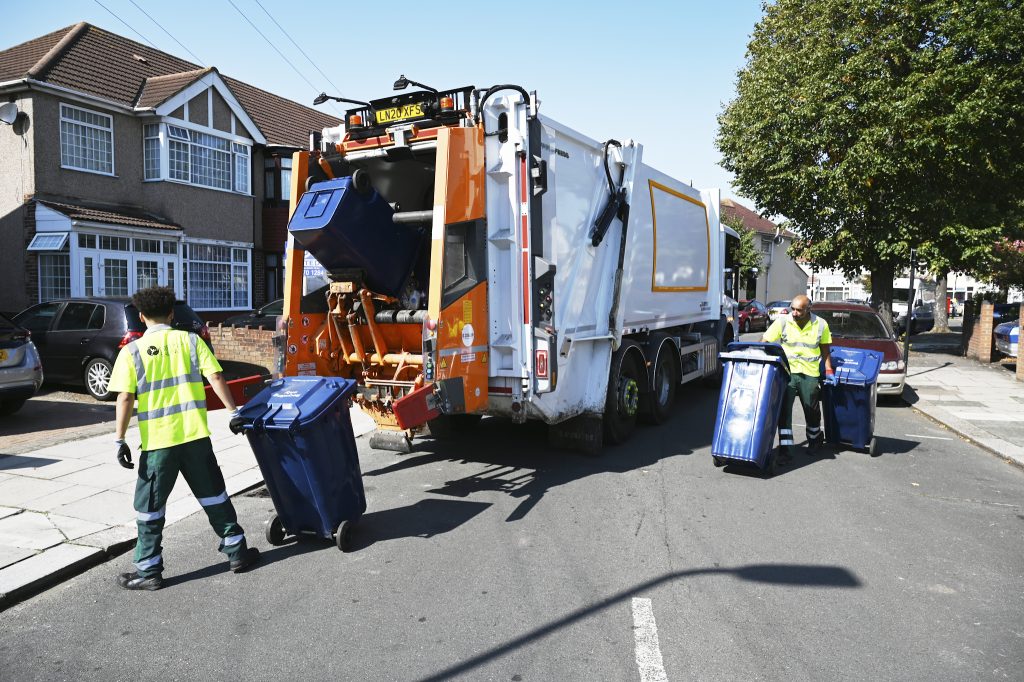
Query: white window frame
[
  {"x": 238, "y": 263},
  {"x": 42, "y": 241},
  {"x": 109, "y": 129},
  {"x": 175, "y": 131}
]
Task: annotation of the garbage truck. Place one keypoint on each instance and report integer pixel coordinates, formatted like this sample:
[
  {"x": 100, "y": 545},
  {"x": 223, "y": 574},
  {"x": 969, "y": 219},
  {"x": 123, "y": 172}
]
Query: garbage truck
[{"x": 479, "y": 258}]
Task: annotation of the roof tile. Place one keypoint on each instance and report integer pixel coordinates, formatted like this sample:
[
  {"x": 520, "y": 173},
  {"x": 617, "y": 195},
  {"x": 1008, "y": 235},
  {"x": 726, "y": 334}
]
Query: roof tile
[
  {"x": 119, "y": 215},
  {"x": 106, "y": 65}
]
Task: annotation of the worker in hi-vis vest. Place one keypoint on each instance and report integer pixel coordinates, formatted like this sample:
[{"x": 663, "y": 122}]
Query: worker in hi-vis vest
[
  {"x": 806, "y": 340},
  {"x": 164, "y": 370}
]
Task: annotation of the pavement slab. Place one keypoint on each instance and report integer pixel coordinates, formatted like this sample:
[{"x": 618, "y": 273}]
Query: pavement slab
[
  {"x": 43, "y": 568},
  {"x": 12, "y": 555},
  {"x": 29, "y": 530},
  {"x": 72, "y": 493},
  {"x": 107, "y": 507}
]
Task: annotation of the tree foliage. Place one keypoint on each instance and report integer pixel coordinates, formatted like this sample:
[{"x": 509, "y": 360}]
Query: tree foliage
[{"x": 878, "y": 125}]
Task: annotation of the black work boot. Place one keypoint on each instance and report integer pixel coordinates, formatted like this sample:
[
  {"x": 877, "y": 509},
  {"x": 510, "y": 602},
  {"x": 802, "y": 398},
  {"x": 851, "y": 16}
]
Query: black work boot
[
  {"x": 134, "y": 581},
  {"x": 249, "y": 557},
  {"x": 814, "y": 444},
  {"x": 785, "y": 456}
]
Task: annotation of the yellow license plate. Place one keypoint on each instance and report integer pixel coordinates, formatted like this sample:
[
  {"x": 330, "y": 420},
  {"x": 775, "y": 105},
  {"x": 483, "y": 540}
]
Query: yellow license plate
[
  {"x": 3, "y": 355},
  {"x": 402, "y": 113}
]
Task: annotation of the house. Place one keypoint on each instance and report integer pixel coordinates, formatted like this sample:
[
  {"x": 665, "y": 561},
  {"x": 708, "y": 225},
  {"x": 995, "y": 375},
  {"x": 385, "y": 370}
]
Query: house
[
  {"x": 125, "y": 167},
  {"x": 779, "y": 277}
]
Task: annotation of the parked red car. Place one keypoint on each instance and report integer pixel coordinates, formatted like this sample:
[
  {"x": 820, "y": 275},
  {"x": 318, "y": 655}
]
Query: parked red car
[
  {"x": 856, "y": 325},
  {"x": 753, "y": 316}
]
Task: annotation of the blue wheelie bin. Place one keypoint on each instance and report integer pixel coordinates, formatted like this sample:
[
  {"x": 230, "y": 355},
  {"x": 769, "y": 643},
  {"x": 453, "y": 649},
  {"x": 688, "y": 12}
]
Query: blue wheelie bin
[
  {"x": 848, "y": 405},
  {"x": 753, "y": 386},
  {"x": 301, "y": 434}
]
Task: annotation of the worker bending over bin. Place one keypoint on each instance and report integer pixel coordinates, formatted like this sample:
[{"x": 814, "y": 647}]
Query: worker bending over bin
[
  {"x": 164, "y": 369},
  {"x": 805, "y": 338}
]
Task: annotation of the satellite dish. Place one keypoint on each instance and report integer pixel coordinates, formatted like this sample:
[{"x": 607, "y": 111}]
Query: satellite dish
[{"x": 8, "y": 112}]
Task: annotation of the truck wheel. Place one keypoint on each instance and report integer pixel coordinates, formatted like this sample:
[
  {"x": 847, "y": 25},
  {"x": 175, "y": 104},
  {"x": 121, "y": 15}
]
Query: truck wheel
[
  {"x": 657, "y": 405},
  {"x": 623, "y": 401}
]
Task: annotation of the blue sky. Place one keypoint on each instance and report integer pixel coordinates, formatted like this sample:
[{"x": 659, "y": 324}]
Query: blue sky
[{"x": 657, "y": 72}]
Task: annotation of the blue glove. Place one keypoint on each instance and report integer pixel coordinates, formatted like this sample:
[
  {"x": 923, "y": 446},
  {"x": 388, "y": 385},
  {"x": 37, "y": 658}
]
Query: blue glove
[{"x": 830, "y": 378}]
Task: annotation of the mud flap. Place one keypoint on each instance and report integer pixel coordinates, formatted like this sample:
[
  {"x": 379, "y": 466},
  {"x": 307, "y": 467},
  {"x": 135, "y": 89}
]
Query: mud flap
[{"x": 583, "y": 434}]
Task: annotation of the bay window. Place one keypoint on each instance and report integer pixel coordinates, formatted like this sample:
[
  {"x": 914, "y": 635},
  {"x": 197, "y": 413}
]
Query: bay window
[{"x": 201, "y": 158}]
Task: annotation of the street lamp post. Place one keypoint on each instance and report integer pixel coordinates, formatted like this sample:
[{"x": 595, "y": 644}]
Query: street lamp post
[{"x": 910, "y": 310}]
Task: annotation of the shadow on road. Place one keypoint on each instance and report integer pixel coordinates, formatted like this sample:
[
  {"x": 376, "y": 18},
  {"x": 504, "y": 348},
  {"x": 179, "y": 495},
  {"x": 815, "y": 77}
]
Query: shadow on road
[
  {"x": 520, "y": 463},
  {"x": 425, "y": 519},
  {"x": 793, "y": 575}
]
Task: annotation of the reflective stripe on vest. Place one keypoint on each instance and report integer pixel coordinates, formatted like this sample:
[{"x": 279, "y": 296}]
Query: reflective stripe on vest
[
  {"x": 169, "y": 384},
  {"x": 143, "y": 386}
]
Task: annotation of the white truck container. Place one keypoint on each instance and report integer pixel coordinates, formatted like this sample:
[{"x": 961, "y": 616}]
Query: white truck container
[{"x": 566, "y": 280}]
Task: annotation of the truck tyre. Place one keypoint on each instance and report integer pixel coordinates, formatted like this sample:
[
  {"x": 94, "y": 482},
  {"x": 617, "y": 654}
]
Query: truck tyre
[
  {"x": 623, "y": 401},
  {"x": 656, "y": 405}
]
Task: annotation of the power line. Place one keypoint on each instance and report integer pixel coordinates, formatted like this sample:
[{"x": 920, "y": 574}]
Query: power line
[
  {"x": 337, "y": 90},
  {"x": 126, "y": 24},
  {"x": 168, "y": 33},
  {"x": 315, "y": 89}
]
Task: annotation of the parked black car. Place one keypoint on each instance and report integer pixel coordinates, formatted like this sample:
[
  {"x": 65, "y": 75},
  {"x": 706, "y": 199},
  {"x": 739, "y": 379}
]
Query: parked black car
[
  {"x": 922, "y": 319},
  {"x": 78, "y": 339},
  {"x": 266, "y": 317}
]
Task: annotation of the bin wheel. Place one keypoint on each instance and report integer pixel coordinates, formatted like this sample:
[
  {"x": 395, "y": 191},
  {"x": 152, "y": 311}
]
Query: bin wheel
[
  {"x": 273, "y": 530},
  {"x": 718, "y": 461},
  {"x": 343, "y": 536},
  {"x": 873, "y": 447}
]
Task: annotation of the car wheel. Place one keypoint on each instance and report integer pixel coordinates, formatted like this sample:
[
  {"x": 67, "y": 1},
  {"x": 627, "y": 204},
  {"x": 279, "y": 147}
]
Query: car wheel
[
  {"x": 97, "y": 379},
  {"x": 746, "y": 325}
]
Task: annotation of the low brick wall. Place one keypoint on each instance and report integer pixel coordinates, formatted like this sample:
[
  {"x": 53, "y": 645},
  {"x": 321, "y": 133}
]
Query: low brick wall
[
  {"x": 979, "y": 342},
  {"x": 245, "y": 351}
]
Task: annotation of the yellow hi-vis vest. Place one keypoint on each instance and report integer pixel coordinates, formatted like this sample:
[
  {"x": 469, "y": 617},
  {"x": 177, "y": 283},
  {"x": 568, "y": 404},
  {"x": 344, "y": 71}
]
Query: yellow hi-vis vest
[
  {"x": 802, "y": 346},
  {"x": 165, "y": 370}
]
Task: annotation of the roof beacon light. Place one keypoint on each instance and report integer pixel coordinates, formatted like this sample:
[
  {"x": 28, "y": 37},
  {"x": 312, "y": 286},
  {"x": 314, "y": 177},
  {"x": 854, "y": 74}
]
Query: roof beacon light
[
  {"x": 355, "y": 121},
  {"x": 447, "y": 103}
]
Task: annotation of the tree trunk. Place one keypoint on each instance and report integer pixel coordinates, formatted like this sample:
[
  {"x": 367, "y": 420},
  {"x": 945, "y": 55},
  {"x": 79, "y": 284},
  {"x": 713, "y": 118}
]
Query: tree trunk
[
  {"x": 881, "y": 292},
  {"x": 941, "y": 325}
]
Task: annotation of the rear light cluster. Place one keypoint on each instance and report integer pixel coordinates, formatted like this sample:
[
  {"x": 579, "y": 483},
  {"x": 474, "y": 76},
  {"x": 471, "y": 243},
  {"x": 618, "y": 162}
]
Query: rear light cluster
[
  {"x": 893, "y": 366},
  {"x": 128, "y": 337}
]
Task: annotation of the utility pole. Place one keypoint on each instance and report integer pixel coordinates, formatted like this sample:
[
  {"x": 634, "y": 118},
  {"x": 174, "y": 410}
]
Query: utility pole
[{"x": 910, "y": 309}]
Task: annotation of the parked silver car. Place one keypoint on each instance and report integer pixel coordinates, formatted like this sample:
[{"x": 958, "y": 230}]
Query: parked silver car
[{"x": 21, "y": 370}]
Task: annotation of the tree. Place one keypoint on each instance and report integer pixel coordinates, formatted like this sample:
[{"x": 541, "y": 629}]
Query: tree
[
  {"x": 744, "y": 254},
  {"x": 874, "y": 125}
]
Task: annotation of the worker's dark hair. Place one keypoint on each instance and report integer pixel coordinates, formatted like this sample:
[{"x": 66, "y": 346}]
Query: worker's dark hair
[{"x": 155, "y": 302}]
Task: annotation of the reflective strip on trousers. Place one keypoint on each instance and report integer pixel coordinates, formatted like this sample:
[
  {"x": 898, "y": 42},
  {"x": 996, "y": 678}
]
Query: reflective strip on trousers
[
  {"x": 173, "y": 409},
  {"x": 151, "y": 516},
  {"x": 813, "y": 430},
  {"x": 148, "y": 563},
  {"x": 216, "y": 499},
  {"x": 232, "y": 540},
  {"x": 785, "y": 432},
  {"x": 785, "y": 441}
]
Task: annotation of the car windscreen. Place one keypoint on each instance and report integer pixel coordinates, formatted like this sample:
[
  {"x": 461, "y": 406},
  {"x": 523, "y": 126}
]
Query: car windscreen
[{"x": 854, "y": 324}]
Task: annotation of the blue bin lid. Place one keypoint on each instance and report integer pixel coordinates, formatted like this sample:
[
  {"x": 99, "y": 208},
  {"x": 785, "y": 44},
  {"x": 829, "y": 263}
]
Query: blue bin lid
[
  {"x": 751, "y": 351},
  {"x": 294, "y": 402},
  {"x": 856, "y": 366}
]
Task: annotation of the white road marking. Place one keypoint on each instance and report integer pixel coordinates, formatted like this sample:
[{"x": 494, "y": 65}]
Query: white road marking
[
  {"x": 648, "y": 652},
  {"x": 916, "y": 435}
]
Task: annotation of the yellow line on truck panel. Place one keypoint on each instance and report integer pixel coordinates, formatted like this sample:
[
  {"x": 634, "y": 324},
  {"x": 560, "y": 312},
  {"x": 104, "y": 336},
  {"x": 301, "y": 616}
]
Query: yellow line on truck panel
[{"x": 654, "y": 221}]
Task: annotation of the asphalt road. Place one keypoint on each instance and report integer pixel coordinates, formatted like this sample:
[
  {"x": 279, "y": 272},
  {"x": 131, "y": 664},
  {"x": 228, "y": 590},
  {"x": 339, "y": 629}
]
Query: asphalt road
[{"x": 491, "y": 557}]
